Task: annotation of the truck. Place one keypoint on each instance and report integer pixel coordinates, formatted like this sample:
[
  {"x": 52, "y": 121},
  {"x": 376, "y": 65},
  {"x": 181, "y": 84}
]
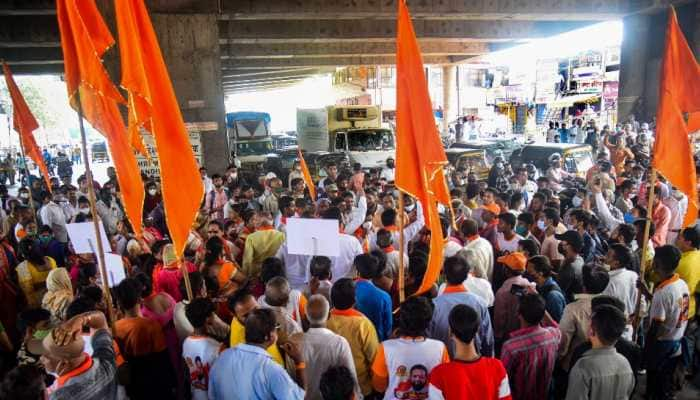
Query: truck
[
  {"x": 249, "y": 138},
  {"x": 355, "y": 132}
]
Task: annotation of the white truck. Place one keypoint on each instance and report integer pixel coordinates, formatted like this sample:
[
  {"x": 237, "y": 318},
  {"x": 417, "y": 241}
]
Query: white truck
[
  {"x": 354, "y": 131},
  {"x": 249, "y": 138}
]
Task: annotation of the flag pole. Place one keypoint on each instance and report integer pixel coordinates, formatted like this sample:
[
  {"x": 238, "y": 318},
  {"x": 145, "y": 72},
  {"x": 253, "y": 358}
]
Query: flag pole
[
  {"x": 645, "y": 247},
  {"x": 186, "y": 278},
  {"x": 93, "y": 211},
  {"x": 402, "y": 245},
  {"x": 29, "y": 187}
]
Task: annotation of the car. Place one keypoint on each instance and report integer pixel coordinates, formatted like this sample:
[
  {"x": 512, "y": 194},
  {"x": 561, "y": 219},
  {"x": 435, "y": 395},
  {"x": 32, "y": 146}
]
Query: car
[
  {"x": 493, "y": 147},
  {"x": 473, "y": 160},
  {"x": 578, "y": 158}
]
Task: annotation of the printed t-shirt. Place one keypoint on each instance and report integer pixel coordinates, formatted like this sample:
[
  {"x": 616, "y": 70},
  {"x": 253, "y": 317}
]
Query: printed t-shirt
[
  {"x": 199, "y": 354},
  {"x": 670, "y": 306}
]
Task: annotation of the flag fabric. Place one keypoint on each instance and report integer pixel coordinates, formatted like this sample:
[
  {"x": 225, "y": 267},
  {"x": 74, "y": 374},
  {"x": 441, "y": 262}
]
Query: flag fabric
[
  {"x": 25, "y": 123},
  {"x": 679, "y": 101},
  {"x": 420, "y": 156},
  {"x": 154, "y": 106},
  {"x": 84, "y": 40},
  {"x": 307, "y": 176}
]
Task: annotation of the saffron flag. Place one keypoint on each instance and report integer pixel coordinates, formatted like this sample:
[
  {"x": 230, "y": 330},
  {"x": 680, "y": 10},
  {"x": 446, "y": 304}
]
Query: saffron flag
[
  {"x": 153, "y": 105},
  {"x": 84, "y": 40},
  {"x": 679, "y": 101},
  {"x": 25, "y": 123},
  {"x": 420, "y": 157},
  {"x": 307, "y": 176}
]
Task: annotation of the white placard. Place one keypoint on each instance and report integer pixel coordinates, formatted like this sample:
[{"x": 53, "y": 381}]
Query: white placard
[
  {"x": 313, "y": 237},
  {"x": 115, "y": 269},
  {"x": 82, "y": 236}
]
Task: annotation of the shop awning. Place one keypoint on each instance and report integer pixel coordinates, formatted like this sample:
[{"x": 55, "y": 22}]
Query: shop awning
[{"x": 569, "y": 101}]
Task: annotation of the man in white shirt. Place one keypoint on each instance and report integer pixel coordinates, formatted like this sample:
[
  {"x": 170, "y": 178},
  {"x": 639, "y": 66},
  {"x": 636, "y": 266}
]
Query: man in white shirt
[
  {"x": 388, "y": 219},
  {"x": 342, "y": 264},
  {"x": 322, "y": 348},
  {"x": 388, "y": 171},
  {"x": 506, "y": 238},
  {"x": 477, "y": 250},
  {"x": 52, "y": 214},
  {"x": 623, "y": 281},
  {"x": 206, "y": 181}
]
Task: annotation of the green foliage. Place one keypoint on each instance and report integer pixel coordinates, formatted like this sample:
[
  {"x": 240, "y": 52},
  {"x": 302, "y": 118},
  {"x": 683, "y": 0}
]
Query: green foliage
[{"x": 38, "y": 101}]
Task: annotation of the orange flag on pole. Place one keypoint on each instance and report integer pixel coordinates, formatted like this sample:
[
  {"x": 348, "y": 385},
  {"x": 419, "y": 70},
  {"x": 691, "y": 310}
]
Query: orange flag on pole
[
  {"x": 84, "y": 40},
  {"x": 25, "y": 123},
  {"x": 679, "y": 101},
  {"x": 307, "y": 176},
  {"x": 420, "y": 157},
  {"x": 154, "y": 106}
]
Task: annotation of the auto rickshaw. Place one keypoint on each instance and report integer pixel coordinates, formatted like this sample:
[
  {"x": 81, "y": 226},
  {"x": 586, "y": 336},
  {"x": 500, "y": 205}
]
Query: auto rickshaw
[
  {"x": 99, "y": 152},
  {"x": 578, "y": 158},
  {"x": 473, "y": 160},
  {"x": 494, "y": 147}
]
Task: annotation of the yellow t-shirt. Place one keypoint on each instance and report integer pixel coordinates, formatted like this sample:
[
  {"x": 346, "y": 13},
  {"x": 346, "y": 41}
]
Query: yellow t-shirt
[
  {"x": 689, "y": 270},
  {"x": 238, "y": 337},
  {"x": 33, "y": 281}
]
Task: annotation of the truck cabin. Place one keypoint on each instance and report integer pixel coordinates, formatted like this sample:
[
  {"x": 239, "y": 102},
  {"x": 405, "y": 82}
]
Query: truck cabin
[{"x": 364, "y": 140}]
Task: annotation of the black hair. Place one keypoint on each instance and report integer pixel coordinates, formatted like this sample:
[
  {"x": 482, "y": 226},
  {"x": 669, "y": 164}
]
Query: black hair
[
  {"x": 469, "y": 227},
  {"x": 608, "y": 323},
  {"x": 464, "y": 322},
  {"x": 595, "y": 279},
  {"x": 92, "y": 293},
  {"x": 553, "y": 214},
  {"x": 259, "y": 325},
  {"x": 628, "y": 232},
  {"x": 271, "y": 267},
  {"x": 381, "y": 262},
  {"x": 86, "y": 271},
  {"x": 527, "y": 218},
  {"x": 214, "y": 248},
  {"x": 128, "y": 293},
  {"x": 79, "y": 306},
  {"x": 532, "y": 308},
  {"x": 333, "y": 213},
  {"x": 343, "y": 294},
  {"x": 146, "y": 284},
  {"x": 581, "y": 216},
  {"x": 388, "y": 217},
  {"x": 415, "y": 315},
  {"x": 320, "y": 267},
  {"x": 285, "y": 202},
  {"x": 472, "y": 190},
  {"x": 24, "y": 382},
  {"x": 667, "y": 257},
  {"x": 45, "y": 229},
  {"x": 31, "y": 317},
  {"x": 196, "y": 282},
  {"x": 692, "y": 235},
  {"x": 29, "y": 249},
  {"x": 366, "y": 266},
  {"x": 239, "y": 296},
  {"x": 623, "y": 254},
  {"x": 542, "y": 265},
  {"x": 456, "y": 270},
  {"x": 198, "y": 311},
  {"x": 337, "y": 383},
  {"x": 217, "y": 223},
  {"x": 508, "y": 218},
  {"x": 530, "y": 246},
  {"x": 417, "y": 265},
  {"x": 601, "y": 300},
  {"x": 384, "y": 238}
]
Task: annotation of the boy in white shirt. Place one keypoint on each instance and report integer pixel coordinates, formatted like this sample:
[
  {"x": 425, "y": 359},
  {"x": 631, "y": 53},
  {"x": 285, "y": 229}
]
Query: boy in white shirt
[{"x": 198, "y": 350}]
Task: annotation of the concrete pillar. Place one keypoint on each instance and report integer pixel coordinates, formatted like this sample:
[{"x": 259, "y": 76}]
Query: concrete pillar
[
  {"x": 449, "y": 95},
  {"x": 190, "y": 46},
  {"x": 633, "y": 65}
]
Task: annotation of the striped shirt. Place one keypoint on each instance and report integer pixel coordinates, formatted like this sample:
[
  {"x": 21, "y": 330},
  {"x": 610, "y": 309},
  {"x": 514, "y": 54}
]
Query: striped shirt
[{"x": 529, "y": 358}]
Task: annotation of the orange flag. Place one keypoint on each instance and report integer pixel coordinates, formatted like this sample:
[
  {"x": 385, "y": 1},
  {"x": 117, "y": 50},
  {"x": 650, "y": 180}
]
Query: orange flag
[
  {"x": 84, "y": 40},
  {"x": 679, "y": 101},
  {"x": 307, "y": 176},
  {"x": 25, "y": 123},
  {"x": 154, "y": 106},
  {"x": 420, "y": 157}
]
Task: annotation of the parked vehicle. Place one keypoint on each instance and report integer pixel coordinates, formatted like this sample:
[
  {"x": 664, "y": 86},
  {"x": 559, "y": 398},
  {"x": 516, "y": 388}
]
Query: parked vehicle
[
  {"x": 99, "y": 152},
  {"x": 578, "y": 158},
  {"x": 249, "y": 138},
  {"x": 493, "y": 147},
  {"x": 474, "y": 160}
]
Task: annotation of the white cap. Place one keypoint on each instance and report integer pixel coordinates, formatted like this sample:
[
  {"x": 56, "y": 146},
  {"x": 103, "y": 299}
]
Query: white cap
[{"x": 270, "y": 175}]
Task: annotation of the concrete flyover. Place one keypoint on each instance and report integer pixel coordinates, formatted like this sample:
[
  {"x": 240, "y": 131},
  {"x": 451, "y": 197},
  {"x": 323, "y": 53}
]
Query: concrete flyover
[{"x": 219, "y": 47}]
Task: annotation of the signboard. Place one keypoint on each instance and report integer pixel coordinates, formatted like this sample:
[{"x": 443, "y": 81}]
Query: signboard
[
  {"x": 152, "y": 168},
  {"x": 313, "y": 237}
]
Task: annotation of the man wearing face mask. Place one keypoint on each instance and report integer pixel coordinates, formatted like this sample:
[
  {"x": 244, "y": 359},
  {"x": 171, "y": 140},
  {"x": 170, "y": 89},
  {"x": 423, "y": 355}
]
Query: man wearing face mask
[
  {"x": 109, "y": 211},
  {"x": 556, "y": 174},
  {"x": 52, "y": 215},
  {"x": 295, "y": 173},
  {"x": 23, "y": 196},
  {"x": 570, "y": 272}
]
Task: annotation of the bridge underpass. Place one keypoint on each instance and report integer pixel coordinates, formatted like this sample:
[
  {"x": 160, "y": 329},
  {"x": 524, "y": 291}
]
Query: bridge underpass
[{"x": 215, "y": 48}]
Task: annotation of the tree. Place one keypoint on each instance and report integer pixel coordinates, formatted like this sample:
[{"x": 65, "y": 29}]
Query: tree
[{"x": 38, "y": 102}]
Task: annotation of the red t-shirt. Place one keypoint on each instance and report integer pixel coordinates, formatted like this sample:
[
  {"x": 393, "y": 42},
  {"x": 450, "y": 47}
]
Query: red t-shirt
[{"x": 483, "y": 379}]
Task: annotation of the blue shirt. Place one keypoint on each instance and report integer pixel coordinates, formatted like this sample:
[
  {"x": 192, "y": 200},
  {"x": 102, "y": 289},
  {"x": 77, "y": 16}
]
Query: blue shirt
[
  {"x": 375, "y": 304},
  {"x": 554, "y": 299},
  {"x": 440, "y": 326},
  {"x": 247, "y": 372}
]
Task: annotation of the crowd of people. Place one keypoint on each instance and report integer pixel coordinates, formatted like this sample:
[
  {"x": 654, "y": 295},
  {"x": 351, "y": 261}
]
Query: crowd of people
[{"x": 547, "y": 290}]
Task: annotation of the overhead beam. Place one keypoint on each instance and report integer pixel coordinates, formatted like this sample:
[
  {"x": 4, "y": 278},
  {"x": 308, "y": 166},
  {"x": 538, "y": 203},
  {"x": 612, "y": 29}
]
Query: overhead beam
[
  {"x": 265, "y": 78},
  {"x": 363, "y": 31},
  {"x": 434, "y": 9},
  {"x": 264, "y": 83},
  {"x": 12, "y": 54},
  {"x": 287, "y": 50},
  {"x": 235, "y": 73},
  {"x": 36, "y": 69},
  {"x": 329, "y": 61},
  {"x": 258, "y": 88}
]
